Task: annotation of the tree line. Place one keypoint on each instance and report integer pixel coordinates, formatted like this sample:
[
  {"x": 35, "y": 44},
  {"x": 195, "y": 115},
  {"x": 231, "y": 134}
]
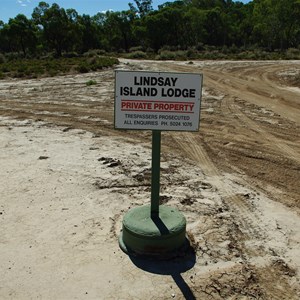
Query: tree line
[{"x": 181, "y": 25}]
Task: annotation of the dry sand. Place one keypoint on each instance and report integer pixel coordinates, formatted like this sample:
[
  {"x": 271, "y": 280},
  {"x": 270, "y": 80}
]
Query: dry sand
[{"x": 67, "y": 178}]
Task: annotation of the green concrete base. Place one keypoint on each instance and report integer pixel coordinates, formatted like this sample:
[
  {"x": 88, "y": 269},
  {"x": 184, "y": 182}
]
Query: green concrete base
[{"x": 144, "y": 235}]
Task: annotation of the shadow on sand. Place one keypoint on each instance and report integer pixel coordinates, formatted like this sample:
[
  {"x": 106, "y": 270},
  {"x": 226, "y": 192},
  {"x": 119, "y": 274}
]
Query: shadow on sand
[{"x": 181, "y": 263}]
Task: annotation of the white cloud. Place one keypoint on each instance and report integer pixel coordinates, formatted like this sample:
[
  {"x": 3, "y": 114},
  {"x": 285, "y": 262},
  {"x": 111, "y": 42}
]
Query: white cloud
[{"x": 23, "y": 3}]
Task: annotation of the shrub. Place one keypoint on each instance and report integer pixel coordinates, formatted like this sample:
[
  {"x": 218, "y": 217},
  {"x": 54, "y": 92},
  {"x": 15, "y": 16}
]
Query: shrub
[
  {"x": 52, "y": 67},
  {"x": 91, "y": 82},
  {"x": 22, "y": 68},
  {"x": 92, "y": 61},
  {"x": 164, "y": 49},
  {"x": 52, "y": 73},
  {"x": 2, "y": 58},
  {"x": 200, "y": 47},
  {"x": 181, "y": 55},
  {"x": 94, "y": 52},
  {"x": 135, "y": 49},
  {"x": 101, "y": 52},
  {"x": 82, "y": 68},
  {"x": 225, "y": 49},
  {"x": 37, "y": 69},
  {"x": 233, "y": 49},
  {"x": 137, "y": 54},
  {"x": 166, "y": 55},
  {"x": 150, "y": 50},
  {"x": 13, "y": 56},
  {"x": 192, "y": 53},
  {"x": 4, "y": 68},
  {"x": 106, "y": 61},
  {"x": 292, "y": 53},
  {"x": 70, "y": 54}
]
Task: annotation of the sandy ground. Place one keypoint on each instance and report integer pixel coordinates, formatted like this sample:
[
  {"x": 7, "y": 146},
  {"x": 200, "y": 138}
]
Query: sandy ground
[{"x": 67, "y": 178}]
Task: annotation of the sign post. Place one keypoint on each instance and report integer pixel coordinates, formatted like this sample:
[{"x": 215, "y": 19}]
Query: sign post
[
  {"x": 155, "y": 173},
  {"x": 156, "y": 101}
]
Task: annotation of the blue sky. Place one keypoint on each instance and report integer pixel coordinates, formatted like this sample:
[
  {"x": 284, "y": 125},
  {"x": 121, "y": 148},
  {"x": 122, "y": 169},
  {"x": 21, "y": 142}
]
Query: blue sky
[{"x": 10, "y": 8}]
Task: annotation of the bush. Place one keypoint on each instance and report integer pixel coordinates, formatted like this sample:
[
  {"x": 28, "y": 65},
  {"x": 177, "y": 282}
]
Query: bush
[
  {"x": 200, "y": 47},
  {"x": 2, "y": 58},
  {"x": 13, "y": 56},
  {"x": 135, "y": 49},
  {"x": 52, "y": 73},
  {"x": 52, "y": 67},
  {"x": 233, "y": 49},
  {"x": 192, "y": 53},
  {"x": 150, "y": 50},
  {"x": 137, "y": 54},
  {"x": 71, "y": 54},
  {"x": 94, "y": 52},
  {"x": 92, "y": 61},
  {"x": 166, "y": 55},
  {"x": 91, "y": 82},
  {"x": 292, "y": 53},
  {"x": 82, "y": 68},
  {"x": 4, "y": 68},
  {"x": 172, "y": 55},
  {"x": 37, "y": 69}
]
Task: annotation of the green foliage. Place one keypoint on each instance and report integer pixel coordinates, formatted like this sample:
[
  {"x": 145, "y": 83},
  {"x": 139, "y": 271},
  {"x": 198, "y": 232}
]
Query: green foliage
[
  {"x": 94, "y": 52},
  {"x": 52, "y": 67},
  {"x": 166, "y": 55},
  {"x": 83, "y": 68},
  {"x": 144, "y": 7},
  {"x": 137, "y": 55},
  {"x": 293, "y": 53},
  {"x": 137, "y": 48},
  {"x": 187, "y": 29},
  {"x": 172, "y": 55},
  {"x": 91, "y": 82},
  {"x": 2, "y": 58},
  {"x": 70, "y": 54},
  {"x": 277, "y": 23}
]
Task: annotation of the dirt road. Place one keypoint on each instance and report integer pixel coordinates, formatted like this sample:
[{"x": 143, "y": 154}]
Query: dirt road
[{"x": 67, "y": 178}]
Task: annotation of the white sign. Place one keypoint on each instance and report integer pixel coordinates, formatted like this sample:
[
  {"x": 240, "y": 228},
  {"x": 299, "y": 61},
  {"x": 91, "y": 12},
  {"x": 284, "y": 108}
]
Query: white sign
[{"x": 157, "y": 100}]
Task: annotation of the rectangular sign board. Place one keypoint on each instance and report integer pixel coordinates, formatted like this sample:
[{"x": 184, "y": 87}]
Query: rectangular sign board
[{"x": 157, "y": 100}]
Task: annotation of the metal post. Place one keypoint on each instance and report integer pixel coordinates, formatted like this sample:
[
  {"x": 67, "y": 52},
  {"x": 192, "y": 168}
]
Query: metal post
[{"x": 155, "y": 173}]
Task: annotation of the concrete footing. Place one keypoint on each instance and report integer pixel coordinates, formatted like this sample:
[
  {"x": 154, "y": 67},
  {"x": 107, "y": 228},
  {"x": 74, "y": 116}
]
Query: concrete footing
[{"x": 152, "y": 236}]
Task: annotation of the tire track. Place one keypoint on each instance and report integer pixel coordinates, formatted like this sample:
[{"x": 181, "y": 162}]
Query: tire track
[
  {"x": 249, "y": 223},
  {"x": 247, "y": 219},
  {"x": 231, "y": 108}
]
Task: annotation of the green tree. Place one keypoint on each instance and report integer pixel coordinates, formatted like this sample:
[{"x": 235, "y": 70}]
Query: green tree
[
  {"x": 196, "y": 20},
  {"x": 117, "y": 29},
  {"x": 20, "y": 33},
  {"x": 4, "y": 37},
  {"x": 277, "y": 23},
  {"x": 59, "y": 27},
  {"x": 215, "y": 27},
  {"x": 167, "y": 26},
  {"x": 144, "y": 7},
  {"x": 91, "y": 37}
]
